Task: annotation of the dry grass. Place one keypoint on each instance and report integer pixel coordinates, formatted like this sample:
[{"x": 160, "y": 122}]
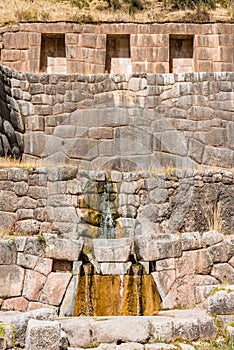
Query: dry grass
[
  {"x": 12, "y": 163},
  {"x": 15, "y": 11}
]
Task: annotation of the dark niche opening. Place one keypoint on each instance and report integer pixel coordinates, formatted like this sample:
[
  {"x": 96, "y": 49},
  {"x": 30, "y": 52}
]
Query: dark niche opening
[
  {"x": 181, "y": 53},
  {"x": 62, "y": 266},
  {"x": 53, "y": 53},
  {"x": 117, "y": 46}
]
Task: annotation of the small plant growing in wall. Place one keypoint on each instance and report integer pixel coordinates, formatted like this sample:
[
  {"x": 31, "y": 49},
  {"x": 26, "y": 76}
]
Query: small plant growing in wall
[{"x": 42, "y": 241}]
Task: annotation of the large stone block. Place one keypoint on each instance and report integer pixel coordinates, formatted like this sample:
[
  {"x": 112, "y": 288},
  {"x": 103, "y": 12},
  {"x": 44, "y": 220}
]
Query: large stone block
[
  {"x": 11, "y": 280},
  {"x": 221, "y": 303},
  {"x": 33, "y": 284},
  {"x": 194, "y": 262},
  {"x": 43, "y": 335},
  {"x": 55, "y": 288},
  {"x": 157, "y": 247},
  {"x": 111, "y": 250},
  {"x": 7, "y": 252},
  {"x": 8, "y": 201},
  {"x": 174, "y": 142},
  {"x": 126, "y": 329},
  {"x": 62, "y": 249}
]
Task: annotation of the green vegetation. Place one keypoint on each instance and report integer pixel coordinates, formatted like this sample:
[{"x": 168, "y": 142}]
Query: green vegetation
[
  {"x": 42, "y": 241},
  {"x": 2, "y": 332}
]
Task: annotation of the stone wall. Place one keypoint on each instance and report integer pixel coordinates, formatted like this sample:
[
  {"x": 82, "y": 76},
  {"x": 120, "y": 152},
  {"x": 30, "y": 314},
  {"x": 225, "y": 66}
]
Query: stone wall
[
  {"x": 43, "y": 271},
  {"x": 125, "y": 122},
  {"x": 213, "y": 45},
  {"x": 11, "y": 120},
  {"x": 71, "y": 202}
]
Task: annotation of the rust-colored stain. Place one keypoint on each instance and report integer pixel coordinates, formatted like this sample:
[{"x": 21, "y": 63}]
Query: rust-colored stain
[{"x": 115, "y": 295}]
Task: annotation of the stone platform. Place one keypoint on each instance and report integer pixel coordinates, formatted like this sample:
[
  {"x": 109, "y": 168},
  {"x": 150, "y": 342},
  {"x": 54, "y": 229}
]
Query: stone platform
[{"x": 170, "y": 329}]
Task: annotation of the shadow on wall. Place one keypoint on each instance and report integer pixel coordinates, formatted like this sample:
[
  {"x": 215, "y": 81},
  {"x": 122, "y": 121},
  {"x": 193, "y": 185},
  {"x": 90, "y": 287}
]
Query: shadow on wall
[{"x": 11, "y": 122}]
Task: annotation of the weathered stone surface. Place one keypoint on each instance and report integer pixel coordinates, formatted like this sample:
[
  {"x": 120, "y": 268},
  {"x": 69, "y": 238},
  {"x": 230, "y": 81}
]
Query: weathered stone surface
[
  {"x": 126, "y": 329},
  {"x": 182, "y": 287},
  {"x": 221, "y": 303},
  {"x": 43, "y": 335},
  {"x": 62, "y": 249},
  {"x": 44, "y": 266},
  {"x": 7, "y": 252},
  {"x": 78, "y": 331},
  {"x": 130, "y": 346},
  {"x": 67, "y": 306},
  {"x": 111, "y": 250},
  {"x": 162, "y": 328},
  {"x": 224, "y": 273},
  {"x": 8, "y": 201},
  {"x": 33, "y": 284},
  {"x": 19, "y": 304},
  {"x": 21, "y": 320},
  {"x": 115, "y": 268},
  {"x": 55, "y": 287},
  {"x": 27, "y": 227},
  {"x": 194, "y": 262},
  {"x": 11, "y": 280},
  {"x": 158, "y": 247},
  {"x": 191, "y": 240},
  {"x": 160, "y": 346},
  {"x": 211, "y": 237},
  {"x": 27, "y": 260}
]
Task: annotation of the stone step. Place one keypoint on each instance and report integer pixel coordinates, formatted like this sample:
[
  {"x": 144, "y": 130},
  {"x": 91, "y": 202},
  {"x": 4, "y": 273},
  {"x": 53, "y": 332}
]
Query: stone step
[{"x": 166, "y": 326}]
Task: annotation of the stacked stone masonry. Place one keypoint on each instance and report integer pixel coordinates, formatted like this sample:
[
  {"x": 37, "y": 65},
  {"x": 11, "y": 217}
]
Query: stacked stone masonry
[
  {"x": 126, "y": 122},
  {"x": 85, "y": 47},
  {"x": 67, "y": 201},
  {"x": 169, "y": 220},
  {"x": 186, "y": 270}
]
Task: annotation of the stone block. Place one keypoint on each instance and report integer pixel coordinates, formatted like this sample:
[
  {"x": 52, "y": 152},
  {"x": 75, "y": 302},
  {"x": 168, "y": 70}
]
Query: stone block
[
  {"x": 8, "y": 252},
  {"x": 216, "y": 156},
  {"x": 8, "y": 201},
  {"x": 27, "y": 227},
  {"x": 11, "y": 280},
  {"x": 174, "y": 142},
  {"x": 221, "y": 303},
  {"x": 67, "y": 307},
  {"x": 191, "y": 240},
  {"x": 44, "y": 265},
  {"x": 130, "y": 346},
  {"x": 83, "y": 149},
  {"x": 194, "y": 262},
  {"x": 34, "y": 143},
  {"x": 158, "y": 247},
  {"x": 18, "y": 304},
  {"x": 223, "y": 272},
  {"x": 55, "y": 288},
  {"x": 62, "y": 249},
  {"x": 127, "y": 329},
  {"x": 210, "y": 238},
  {"x": 26, "y": 260},
  {"x": 111, "y": 250},
  {"x": 164, "y": 281},
  {"x": 43, "y": 335},
  {"x": 115, "y": 268},
  {"x": 101, "y": 133},
  {"x": 162, "y": 328},
  {"x": 195, "y": 151},
  {"x": 160, "y": 346},
  {"x": 33, "y": 284},
  {"x": 78, "y": 331}
]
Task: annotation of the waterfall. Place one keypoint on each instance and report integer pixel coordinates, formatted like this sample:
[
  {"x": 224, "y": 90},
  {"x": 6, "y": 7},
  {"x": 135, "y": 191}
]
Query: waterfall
[{"x": 107, "y": 224}]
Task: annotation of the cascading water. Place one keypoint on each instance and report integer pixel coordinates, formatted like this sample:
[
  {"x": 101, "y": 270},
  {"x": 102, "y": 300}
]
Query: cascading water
[
  {"x": 128, "y": 292},
  {"x": 107, "y": 224}
]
